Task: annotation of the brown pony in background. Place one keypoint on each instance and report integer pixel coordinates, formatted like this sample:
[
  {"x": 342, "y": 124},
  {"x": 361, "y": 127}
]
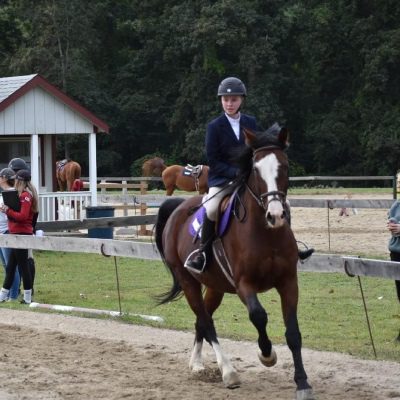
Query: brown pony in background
[
  {"x": 66, "y": 173},
  {"x": 153, "y": 167},
  {"x": 259, "y": 249},
  {"x": 173, "y": 178}
]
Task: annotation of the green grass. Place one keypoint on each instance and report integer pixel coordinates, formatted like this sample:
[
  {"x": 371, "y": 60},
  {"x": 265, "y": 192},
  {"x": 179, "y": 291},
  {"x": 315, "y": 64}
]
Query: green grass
[{"x": 331, "y": 313}]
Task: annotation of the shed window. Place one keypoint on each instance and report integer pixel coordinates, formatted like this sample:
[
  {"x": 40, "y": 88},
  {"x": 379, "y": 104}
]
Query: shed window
[{"x": 15, "y": 147}]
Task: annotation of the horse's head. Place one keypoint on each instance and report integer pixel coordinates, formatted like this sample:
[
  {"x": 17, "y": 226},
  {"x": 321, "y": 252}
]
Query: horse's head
[{"x": 268, "y": 179}]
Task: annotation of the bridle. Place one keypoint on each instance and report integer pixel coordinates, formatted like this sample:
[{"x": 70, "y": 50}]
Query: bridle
[{"x": 276, "y": 195}]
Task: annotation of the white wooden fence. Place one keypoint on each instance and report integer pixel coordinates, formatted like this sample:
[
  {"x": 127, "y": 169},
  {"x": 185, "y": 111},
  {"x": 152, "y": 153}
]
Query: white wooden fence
[
  {"x": 63, "y": 205},
  {"x": 317, "y": 263}
]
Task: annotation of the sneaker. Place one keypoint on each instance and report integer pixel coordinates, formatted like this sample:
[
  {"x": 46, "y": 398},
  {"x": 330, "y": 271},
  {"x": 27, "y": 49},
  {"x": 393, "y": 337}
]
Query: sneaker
[
  {"x": 10, "y": 300},
  {"x": 23, "y": 302}
]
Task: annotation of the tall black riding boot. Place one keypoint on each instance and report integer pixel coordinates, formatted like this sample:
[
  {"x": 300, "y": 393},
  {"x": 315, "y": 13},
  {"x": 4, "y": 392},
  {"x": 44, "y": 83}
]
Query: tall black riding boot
[{"x": 203, "y": 255}]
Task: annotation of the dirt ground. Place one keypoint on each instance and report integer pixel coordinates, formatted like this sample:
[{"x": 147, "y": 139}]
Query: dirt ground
[
  {"x": 362, "y": 232},
  {"x": 49, "y": 356}
]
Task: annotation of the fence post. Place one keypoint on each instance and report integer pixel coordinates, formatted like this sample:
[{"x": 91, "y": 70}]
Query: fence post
[
  {"x": 124, "y": 193},
  {"x": 143, "y": 208},
  {"x": 103, "y": 190}
]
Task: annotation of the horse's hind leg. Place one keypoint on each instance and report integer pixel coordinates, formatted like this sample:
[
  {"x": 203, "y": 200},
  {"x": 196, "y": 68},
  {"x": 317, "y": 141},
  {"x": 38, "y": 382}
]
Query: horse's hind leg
[
  {"x": 289, "y": 300},
  {"x": 205, "y": 329}
]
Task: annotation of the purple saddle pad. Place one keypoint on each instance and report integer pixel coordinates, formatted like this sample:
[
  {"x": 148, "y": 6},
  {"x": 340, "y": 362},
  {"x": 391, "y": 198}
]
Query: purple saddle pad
[{"x": 198, "y": 218}]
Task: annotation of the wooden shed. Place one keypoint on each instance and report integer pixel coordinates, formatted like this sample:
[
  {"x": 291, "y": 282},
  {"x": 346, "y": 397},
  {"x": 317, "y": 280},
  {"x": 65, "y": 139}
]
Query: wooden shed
[{"x": 32, "y": 113}]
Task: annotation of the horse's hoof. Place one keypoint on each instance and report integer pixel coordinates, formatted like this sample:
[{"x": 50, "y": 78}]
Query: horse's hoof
[
  {"x": 305, "y": 394},
  {"x": 197, "y": 368},
  {"x": 231, "y": 380},
  {"x": 268, "y": 361}
]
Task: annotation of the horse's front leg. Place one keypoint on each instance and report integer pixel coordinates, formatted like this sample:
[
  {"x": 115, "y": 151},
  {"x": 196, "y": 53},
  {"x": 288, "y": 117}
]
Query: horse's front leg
[
  {"x": 205, "y": 329},
  {"x": 289, "y": 300},
  {"x": 259, "y": 317}
]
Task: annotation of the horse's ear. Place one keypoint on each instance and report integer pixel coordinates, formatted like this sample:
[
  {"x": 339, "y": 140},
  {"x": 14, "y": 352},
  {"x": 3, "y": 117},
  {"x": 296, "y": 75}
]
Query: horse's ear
[
  {"x": 249, "y": 136},
  {"x": 283, "y": 136}
]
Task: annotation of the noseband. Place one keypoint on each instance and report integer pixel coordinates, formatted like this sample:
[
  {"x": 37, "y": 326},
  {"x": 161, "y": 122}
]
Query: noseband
[{"x": 277, "y": 195}]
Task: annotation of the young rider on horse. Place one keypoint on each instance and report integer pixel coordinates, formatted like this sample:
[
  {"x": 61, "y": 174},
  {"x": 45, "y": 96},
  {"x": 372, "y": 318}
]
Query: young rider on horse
[{"x": 224, "y": 134}]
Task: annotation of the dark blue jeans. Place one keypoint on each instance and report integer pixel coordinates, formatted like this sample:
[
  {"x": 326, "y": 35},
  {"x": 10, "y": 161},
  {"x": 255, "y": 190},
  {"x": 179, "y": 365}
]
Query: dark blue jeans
[
  {"x": 4, "y": 257},
  {"x": 18, "y": 257}
]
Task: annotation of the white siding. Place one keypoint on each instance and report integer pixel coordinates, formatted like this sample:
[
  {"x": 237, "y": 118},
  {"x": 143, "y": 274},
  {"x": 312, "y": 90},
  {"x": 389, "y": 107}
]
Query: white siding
[
  {"x": 9, "y": 125},
  {"x": 2, "y": 124},
  {"x": 42, "y": 113},
  {"x": 50, "y": 121},
  {"x": 29, "y": 100},
  {"x": 39, "y": 110},
  {"x": 19, "y": 116}
]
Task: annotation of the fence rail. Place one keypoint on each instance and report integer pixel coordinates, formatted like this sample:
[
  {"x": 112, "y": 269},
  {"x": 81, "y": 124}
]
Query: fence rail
[{"x": 317, "y": 263}]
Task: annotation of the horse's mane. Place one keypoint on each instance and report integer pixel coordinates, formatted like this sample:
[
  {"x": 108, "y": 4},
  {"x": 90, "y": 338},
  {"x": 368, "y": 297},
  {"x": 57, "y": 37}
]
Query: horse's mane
[{"x": 243, "y": 156}]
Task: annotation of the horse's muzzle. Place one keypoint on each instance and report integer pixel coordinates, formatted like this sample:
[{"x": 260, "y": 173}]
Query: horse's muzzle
[{"x": 275, "y": 220}]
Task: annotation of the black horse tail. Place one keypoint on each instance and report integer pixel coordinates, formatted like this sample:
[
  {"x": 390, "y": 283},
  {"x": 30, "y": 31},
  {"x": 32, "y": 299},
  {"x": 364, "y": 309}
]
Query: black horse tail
[{"x": 164, "y": 212}]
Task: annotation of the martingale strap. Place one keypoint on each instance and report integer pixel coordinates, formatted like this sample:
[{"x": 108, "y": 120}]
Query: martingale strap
[{"x": 222, "y": 261}]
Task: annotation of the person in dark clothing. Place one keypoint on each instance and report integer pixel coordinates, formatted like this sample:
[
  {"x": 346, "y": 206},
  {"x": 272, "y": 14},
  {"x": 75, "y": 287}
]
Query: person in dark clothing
[
  {"x": 393, "y": 226},
  {"x": 21, "y": 223},
  {"x": 16, "y": 164}
]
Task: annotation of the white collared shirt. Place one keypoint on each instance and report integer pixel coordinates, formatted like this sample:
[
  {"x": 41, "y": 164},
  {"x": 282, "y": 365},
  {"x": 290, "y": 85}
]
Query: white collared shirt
[{"x": 235, "y": 124}]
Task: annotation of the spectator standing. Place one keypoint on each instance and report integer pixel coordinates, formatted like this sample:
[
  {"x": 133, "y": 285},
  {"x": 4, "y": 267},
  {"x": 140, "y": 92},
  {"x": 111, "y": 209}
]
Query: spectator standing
[
  {"x": 21, "y": 223},
  {"x": 7, "y": 183},
  {"x": 393, "y": 225},
  {"x": 16, "y": 164}
]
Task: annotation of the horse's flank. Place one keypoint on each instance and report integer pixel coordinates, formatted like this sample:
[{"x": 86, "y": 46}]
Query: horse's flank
[
  {"x": 67, "y": 171},
  {"x": 173, "y": 178}
]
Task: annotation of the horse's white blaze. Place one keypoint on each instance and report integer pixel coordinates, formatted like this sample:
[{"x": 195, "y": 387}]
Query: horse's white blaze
[
  {"x": 196, "y": 362},
  {"x": 268, "y": 168}
]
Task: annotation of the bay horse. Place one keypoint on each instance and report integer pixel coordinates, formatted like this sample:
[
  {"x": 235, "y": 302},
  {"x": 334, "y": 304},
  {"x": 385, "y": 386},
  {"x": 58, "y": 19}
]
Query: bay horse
[
  {"x": 153, "y": 167},
  {"x": 66, "y": 173},
  {"x": 173, "y": 177},
  {"x": 261, "y": 253}
]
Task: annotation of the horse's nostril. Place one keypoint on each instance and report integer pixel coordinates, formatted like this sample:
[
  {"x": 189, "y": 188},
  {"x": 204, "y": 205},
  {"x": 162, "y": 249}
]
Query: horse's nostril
[{"x": 270, "y": 219}]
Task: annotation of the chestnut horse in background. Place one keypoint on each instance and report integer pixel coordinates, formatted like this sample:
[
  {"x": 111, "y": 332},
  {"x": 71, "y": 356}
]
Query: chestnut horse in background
[
  {"x": 173, "y": 178},
  {"x": 66, "y": 173},
  {"x": 259, "y": 253},
  {"x": 153, "y": 167}
]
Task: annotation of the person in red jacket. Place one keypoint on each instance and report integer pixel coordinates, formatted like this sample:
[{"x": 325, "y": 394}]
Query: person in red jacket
[{"x": 21, "y": 223}]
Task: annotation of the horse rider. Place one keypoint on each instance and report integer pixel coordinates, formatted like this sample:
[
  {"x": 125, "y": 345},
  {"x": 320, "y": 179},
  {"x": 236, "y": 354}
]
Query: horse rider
[{"x": 223, "y": 135}]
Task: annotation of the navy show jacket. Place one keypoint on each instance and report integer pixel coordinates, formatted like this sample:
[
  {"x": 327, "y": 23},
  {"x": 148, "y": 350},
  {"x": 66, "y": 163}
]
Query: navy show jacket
[{"x": 220, "y": 140}]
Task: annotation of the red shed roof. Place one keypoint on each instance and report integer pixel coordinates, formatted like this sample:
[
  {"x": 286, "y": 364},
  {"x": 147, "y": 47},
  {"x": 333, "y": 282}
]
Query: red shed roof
[{"x": 12, "y": 88}]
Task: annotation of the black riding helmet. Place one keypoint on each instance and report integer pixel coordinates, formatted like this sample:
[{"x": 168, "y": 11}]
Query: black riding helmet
[
  {"x": 232, "y": 87},
  {"x": 17, "y": 163}
]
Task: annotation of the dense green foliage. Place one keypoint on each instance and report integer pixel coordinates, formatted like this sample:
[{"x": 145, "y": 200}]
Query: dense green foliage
[{"x": 326, "y": 69}]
